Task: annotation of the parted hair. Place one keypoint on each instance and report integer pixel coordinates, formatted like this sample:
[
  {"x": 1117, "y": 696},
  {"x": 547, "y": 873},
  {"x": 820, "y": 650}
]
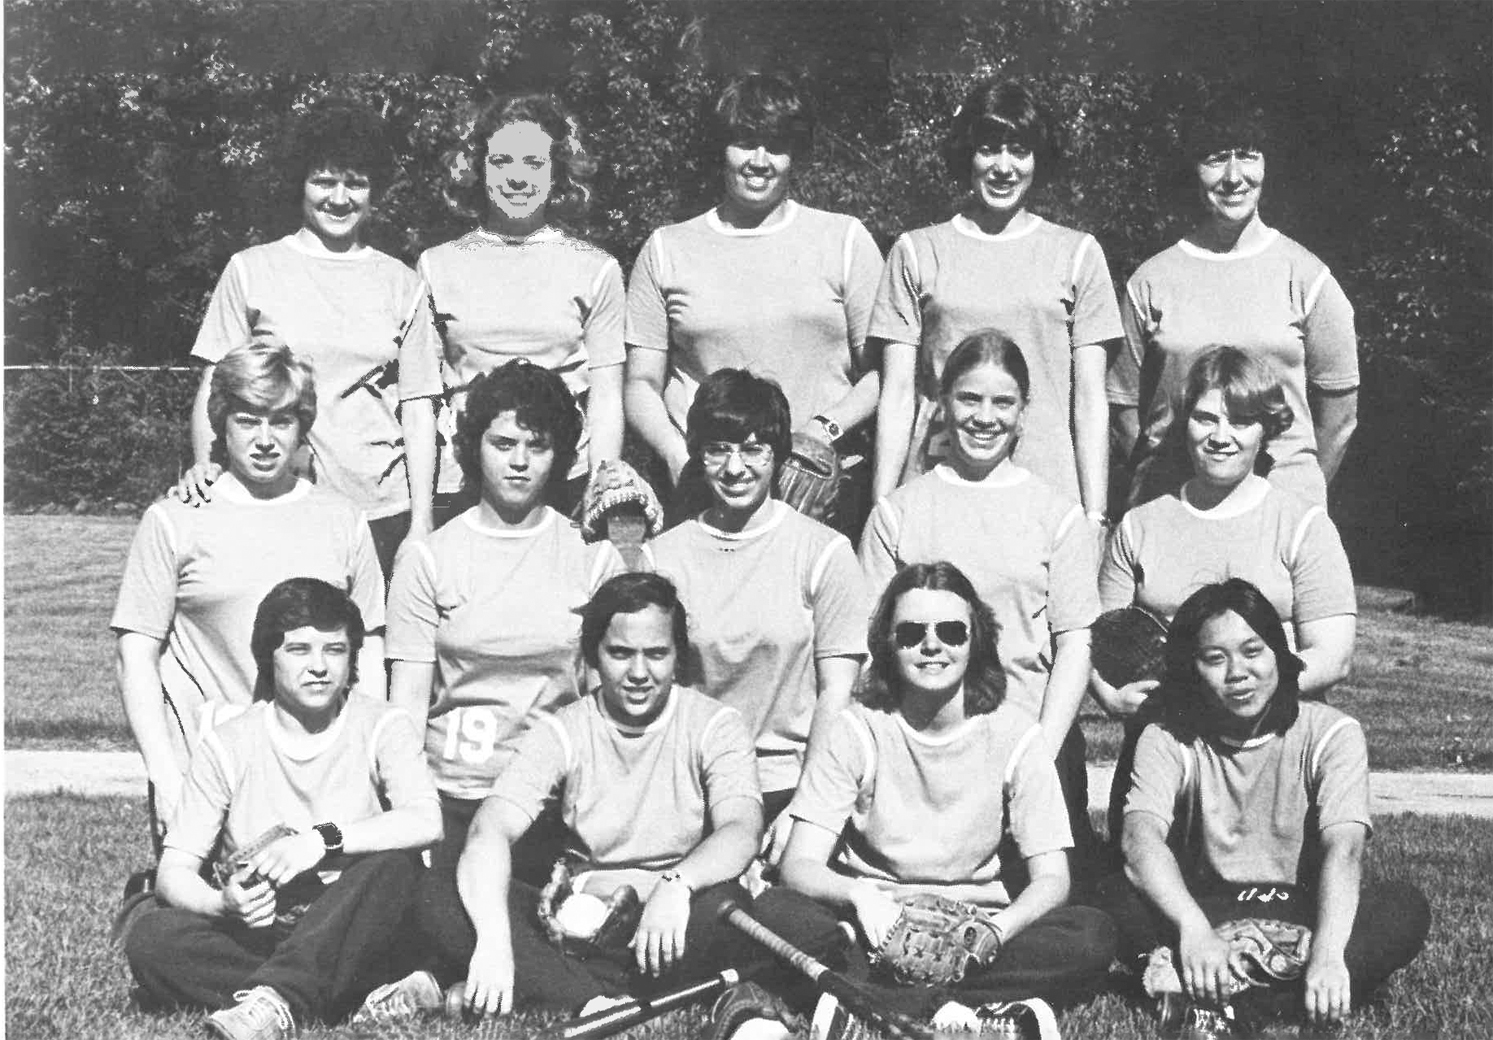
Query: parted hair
[
  {"x": 986, "y": 347},
  {"x": 337, "y": 135},
  {"x": 761, "y": 107},
  {"x": 1184, "y": 702},
  {"x": 732, "y": 404},
  {"x": 984, "y": 680},
  {"x": 296, "y": 603},
  {"x": 627, "y": 594},
  {"x": 466, "y": 164},
  {"x": 259, "y": 378},
  {"x": 995, "y": 110},
  {"x": 541, "y": 403},
  {"x": 1251, "y": 388}
]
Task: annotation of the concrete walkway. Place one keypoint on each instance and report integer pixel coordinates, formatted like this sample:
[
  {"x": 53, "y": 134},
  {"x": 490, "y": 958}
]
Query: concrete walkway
[{"x": 95, "y": 773}]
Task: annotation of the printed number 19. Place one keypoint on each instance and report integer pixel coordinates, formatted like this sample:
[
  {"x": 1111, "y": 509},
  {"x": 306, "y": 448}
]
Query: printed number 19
[{"x": 473, "y": 737}]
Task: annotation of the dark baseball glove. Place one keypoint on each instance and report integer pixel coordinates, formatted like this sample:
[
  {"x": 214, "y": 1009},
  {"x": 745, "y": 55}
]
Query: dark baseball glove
[
  {"x": 809, "y": 479},
  {"x": 583, "y": 925},
  {"x": 937, "y": 940},
  {"x": 1129, "y": 644}
]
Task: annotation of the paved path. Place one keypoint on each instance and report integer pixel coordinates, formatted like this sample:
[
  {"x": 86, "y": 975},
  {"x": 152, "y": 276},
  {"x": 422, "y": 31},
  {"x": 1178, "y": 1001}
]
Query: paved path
[{"x": 121, "y": 773}]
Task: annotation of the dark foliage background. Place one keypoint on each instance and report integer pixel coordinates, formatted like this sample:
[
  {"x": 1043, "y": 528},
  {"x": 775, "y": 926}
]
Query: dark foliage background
[{"x": 140, "y": 143}]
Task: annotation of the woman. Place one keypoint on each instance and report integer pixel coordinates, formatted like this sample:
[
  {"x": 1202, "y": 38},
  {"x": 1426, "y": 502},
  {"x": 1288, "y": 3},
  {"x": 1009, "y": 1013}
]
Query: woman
[
  {"x": 352, "y": 313},
  {"x": 1234, "y": 280},
  {"x": 483, "y": 635},
  {"x": 758, "y": 282},
  {"x": 1249, "y": 802},
  {"x": 1227, "y": 521},
  {"x": 518, "y": 286},
  {"x": 776, "y": 598},
  {"x": 195, "y": 577},
  {"x": 1022, "y": 542},
  {"x": 301, "y": 925},
  {"x": 890, "y": 808},
  {"x": 997, "y": 265}
]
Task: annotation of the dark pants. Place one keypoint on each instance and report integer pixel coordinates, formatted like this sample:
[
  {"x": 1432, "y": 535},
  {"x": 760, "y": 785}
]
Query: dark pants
[
  {"x": 1063, "y": 957},
  {"x": 339, "y": 951},
  {"x": 1389, "y": 930},
  {"x": 389, "y": 533}
]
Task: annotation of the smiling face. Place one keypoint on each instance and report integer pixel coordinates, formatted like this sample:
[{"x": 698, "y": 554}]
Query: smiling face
[
  {"x": 1230, "y": 181},
  {"x": 260, "y": 447},
  {"x": 739, "y": 475},
  {"x": 931, "y": 632},
  {"x": 756, "y": 175},
  {"x": 334, "y": 205},
  {"x": 311, "y": 671},
  {"x": 516, "y": 464},
  {"x": 1223, "y": 451},
  {"x": 984, "y": 407},
  {"x": 1238, "y": 672},
  {"x": 636, "y": 661},
  {"x": 519, "y": 175},
  {"x": 1002, "y": 171}
]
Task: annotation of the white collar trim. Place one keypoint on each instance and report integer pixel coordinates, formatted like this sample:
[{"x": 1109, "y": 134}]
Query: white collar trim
[
  {"x": 779, "y": 514},
  {"x": 1254, "y": 494},
  {"x": 716, "y": 224},
  {"x": 232, "y": 489},
  {"x": 1198, "y": 253},
  {"x": 1006, "y": 475},
  {"x": 470, "y": 519},
  {"x": 969, "y": 229}
]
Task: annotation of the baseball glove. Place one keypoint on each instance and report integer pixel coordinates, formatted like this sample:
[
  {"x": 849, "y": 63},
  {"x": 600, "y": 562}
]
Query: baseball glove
[
  {"x": 583, "y": 925},
  {"x": 1129, "y": 644},
  {"x": 936, "y": 940},
  {"x": 616, "y": 487},
  {"x": 809, "y": 479},
  {"x": 1262, "y": 952},
  {"x": 292, "y": 899}
]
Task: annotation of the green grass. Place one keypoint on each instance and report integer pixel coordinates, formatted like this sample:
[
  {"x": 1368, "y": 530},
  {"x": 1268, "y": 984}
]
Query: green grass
[
  {"x": 1422, "y": 687},
  {"x": 66, "y": 858}
]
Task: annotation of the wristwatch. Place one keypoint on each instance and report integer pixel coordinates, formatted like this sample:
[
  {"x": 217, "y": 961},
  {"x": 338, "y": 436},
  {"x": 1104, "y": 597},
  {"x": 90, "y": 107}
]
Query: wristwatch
[
  {"x": 830, "y": 427},
  {"x": 331, "y": 837},
  {"x": 674, "y": 875}
]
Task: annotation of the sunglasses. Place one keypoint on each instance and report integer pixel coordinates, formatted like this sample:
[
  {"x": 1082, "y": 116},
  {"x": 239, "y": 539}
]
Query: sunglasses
[{"x": 909, "y": 634}]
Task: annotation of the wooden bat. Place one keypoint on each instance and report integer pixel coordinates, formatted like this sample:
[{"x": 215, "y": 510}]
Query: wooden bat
[{"x": 623, "y": 1016}]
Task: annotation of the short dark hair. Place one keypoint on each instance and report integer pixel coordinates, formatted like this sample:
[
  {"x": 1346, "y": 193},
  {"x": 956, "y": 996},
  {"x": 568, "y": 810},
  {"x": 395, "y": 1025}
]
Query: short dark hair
[
  {"x": 985, "y": 679},
  {"x": 1182, "y": 698},
  {"x": 993, "y": 110},
  {"x": 540, "y": 401},
  {"x": 761, "y": 106},
  {"x": 297, "y": 603},
  {"x": 1231, "y": 121},
  {"x": 627, "y": 594},
  {"x": 466, "y": 164},
  {"x": 732, "y": 404},
  {"x": 986, "y": 347},
  {"x": 338, "y": 135},
  {"x": 1251, "y": 388}
]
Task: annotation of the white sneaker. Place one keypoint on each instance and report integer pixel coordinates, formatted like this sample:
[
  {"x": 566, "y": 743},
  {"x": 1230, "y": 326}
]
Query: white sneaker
[
  {"x": 832, "y": 1022},
  {"x": 260, "y": 1014},
  {"x": 415, "y": 994},
  {"x": 1031, "y": 1019}
]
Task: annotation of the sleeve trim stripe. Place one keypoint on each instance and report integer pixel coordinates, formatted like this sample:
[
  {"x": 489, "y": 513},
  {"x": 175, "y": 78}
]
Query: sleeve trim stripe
[
  {"x": 1066, "y": 524},
  {"x": 868, "y": 745},
  {"x": 1027, "y": 738},
  {"x": 1078, "y": 256},
  {"x": 601, "y": 276},
  {"x": 1299, "y": 535},
  {"x": 821, "y": 564},
  {"x": 564, "y": 738},
  {"x": 912, "y": 258},
  {"x": 599, "y": 566},
  {"x": 847, "y": 257},
  {"x": 715, "y": 720},
  {"x": 1318, "y": 284},
  {"x": 1315, "y": 761}
]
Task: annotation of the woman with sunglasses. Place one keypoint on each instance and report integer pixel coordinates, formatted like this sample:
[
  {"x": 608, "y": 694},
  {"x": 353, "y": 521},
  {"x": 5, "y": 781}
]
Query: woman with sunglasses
[
  {"x": 1024, "y": 544},
  {"x": 775, "y": 599},
  {"x": 920, "y": 786}
]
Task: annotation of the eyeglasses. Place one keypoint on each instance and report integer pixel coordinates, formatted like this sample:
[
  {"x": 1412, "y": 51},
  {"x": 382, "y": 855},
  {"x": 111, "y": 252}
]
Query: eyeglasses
[
  {"x": 753, "y": 453},
  {"x": 909, "y": 634}
]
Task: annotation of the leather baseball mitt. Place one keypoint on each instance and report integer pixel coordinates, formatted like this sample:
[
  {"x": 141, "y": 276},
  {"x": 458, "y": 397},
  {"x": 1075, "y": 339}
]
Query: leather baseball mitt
[
  {"x": 809, "y": 479},
  {"x": 1262, "y": 952},
  {"x": 937, "y": 940},
  {"x": 582, "y": 925},
  {"x": 1129, "y": 644}
]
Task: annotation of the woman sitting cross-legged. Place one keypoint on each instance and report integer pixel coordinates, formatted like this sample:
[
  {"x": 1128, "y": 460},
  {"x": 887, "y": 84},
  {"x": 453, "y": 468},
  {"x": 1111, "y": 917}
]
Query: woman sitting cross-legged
[
  {"x": 303, "y": 923},
  {"x": 917, "y": 788},
  {"x": 1248, "y": 803}
]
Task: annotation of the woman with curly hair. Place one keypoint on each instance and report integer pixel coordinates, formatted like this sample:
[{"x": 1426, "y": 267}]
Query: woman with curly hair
[
  {"x": 518, "y": 286},
  {"x": 923, "y": 786},
  {"x": 483, "y": 634},
  {"x": 351, "y": 312},
  {"x": 997, "y": 265}
]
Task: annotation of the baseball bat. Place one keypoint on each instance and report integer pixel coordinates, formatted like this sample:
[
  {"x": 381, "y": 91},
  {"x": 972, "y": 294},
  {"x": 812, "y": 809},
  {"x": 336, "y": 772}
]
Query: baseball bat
[
  {"x": 635, "y": 1011},
  {"x": 855, "y": 998}
]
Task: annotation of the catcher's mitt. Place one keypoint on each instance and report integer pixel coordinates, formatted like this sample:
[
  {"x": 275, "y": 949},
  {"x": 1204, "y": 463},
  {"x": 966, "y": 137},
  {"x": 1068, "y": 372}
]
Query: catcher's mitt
[
  {"x": 1129, "y": 644},
  {"x": 1262, "y": 952},
  {"x": 582, "y": 925},
  {"x": 936, "y": 940},
  {"x": 809, "y": 479}
]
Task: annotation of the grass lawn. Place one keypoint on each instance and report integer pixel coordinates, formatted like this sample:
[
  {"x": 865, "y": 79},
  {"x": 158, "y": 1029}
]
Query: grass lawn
[
  {"x": 1422, "y": 687},
  {"x": 66, "y": 858}
]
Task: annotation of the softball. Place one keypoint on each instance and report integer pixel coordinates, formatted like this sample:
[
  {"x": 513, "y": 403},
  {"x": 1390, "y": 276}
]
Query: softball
[{"x": 581, "y": 915}]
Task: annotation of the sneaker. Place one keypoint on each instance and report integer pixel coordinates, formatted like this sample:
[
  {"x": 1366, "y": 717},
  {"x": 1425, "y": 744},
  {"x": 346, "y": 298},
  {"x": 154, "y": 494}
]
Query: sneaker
[
  {"x": 832, "y": 1022},
  {"x": 260, "y": 1014},
  {"x": 1209, "y": 1023},
  {"x": 416, "y": 994},
  {"x": 1031, "y": 1019},
  {"x": 746, "y": 1011}
]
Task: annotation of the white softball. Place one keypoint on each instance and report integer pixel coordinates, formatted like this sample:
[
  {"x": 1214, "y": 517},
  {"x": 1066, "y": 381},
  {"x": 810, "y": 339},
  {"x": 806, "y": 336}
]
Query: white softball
[{"x": 581, "y": 915}]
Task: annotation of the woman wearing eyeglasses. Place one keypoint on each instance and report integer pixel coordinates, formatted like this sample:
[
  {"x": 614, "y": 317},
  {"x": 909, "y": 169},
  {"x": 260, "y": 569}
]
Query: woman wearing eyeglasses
[
  {"x": 776, "y": 602},
  {"x": 1024, "y": 544}
]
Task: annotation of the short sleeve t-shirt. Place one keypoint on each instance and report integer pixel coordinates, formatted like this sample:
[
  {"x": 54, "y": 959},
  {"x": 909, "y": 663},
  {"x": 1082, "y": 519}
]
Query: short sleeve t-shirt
[
  {"x": 765, "y": 605},
  {"x": 1026, "y": 548},
  {"x": 633, "y": 797},
  {"x": 932, "y": 810},
  {"x": 356, "y": 318},
  {"x": 1276, "y": 301},
  {"x": 1164, "y": 551},
  {"x": 1045, "y": 286},
  {"x": 1254, "y": 811},
  {"x": 195, "y": 577},
  {"x": 789, "y": 302},
  {"x": 550, "y": 298},
  {"x": 494, "y": 611},
  {"x": 251, "y": 772}
]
